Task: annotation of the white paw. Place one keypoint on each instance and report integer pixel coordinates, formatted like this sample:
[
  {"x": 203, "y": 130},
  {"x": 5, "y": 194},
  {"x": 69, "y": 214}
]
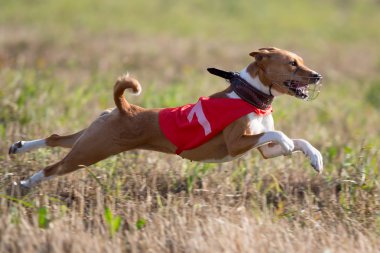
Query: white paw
[
  {"x": 25, "y": 146},
  {"x": 312, "y": 153},
  {"x": 286, "y": 143},
  {"x": 316, "y": 159},
  {"x": 15, "y": 147}
]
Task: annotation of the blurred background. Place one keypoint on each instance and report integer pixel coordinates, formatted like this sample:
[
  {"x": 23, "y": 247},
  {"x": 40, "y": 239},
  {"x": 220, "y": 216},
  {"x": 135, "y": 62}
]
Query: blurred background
[{"x": 59, "y": 59}]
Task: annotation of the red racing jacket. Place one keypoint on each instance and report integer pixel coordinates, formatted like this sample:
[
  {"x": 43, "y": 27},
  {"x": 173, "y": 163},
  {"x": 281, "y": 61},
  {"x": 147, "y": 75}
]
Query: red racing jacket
[{"x": 189, "y": 126}]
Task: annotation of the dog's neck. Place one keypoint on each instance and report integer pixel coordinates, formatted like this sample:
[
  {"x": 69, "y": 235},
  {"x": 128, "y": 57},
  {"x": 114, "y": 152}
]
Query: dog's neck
[{"x": 255, "y": 82}]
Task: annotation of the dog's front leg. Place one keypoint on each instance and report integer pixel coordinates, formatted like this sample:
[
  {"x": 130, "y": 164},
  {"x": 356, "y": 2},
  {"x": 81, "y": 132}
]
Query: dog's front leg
[
  {"x": 238, "y": 140},
  {"x": 311, "y": 152},
  {"x": 271, "y": 144},
  {"x": 271, "y": 150}
]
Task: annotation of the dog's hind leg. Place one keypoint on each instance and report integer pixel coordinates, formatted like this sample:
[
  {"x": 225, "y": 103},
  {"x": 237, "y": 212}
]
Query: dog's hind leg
[
  {"x": 55, "y": 140},
  {"x": 95, "y": 144},
  {"x": 45, "y": 174},
  {"x": 66, "y": 165},
  {"x": 66, "y": 141}
]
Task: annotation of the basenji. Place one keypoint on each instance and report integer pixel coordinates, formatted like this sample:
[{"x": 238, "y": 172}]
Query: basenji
[{"x": 207, "y": 131}]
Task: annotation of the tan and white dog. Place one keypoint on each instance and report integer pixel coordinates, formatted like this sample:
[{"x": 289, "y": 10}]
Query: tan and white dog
[{"x": 126, "y": 127}]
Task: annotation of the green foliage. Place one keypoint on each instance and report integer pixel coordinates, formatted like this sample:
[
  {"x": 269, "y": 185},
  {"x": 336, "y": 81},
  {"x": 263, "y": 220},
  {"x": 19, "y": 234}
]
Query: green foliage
[
  {"x": 103, "y": 186},
  {"x": 373, "y": 94},
  {"x": 378, "y": 223},
  {"x": 112, "y": 221},
  {"x": 194, "y": 174},
  {"x": 18, "y": 201},
  {"x": 43, "y": 220},
  {"x": 351, "y": 21},
  {"x": 140, "y": 223}
]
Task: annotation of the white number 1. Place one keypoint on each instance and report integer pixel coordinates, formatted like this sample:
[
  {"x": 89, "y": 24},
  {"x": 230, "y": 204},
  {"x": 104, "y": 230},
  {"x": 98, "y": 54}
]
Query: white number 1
[{"x": 198, "y": 111}]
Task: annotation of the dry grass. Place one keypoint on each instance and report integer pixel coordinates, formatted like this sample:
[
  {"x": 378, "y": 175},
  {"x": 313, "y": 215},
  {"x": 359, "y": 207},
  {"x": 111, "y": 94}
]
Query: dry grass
[
  {"x": 149, "y": 202},
  {"x": 231, "y": 208}
]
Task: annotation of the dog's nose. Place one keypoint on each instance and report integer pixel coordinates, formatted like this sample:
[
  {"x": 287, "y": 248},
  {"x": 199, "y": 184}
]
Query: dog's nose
[{"x": 316, "y": 76}]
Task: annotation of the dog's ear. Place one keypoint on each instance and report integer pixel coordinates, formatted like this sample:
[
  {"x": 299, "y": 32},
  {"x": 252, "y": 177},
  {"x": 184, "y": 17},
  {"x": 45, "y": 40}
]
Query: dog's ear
[
  {"x": 270, "y": 49},
  {"x": 262, "y": 53},
  {"x": 257, "y": 55}
]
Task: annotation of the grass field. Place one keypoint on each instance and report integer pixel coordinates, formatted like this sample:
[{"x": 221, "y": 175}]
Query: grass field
[{"x": 58, "y": 64}]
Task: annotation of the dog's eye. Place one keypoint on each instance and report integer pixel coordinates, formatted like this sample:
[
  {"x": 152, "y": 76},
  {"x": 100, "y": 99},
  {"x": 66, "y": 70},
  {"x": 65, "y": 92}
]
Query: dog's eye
[{"x": 293, "y": 63}]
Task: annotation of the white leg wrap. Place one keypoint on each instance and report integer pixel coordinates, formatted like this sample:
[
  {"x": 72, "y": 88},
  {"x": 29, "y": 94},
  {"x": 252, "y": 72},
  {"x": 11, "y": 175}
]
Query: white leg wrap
[
  {"x": 35, "y": 179},
  {"x": 25, "y": 146}
]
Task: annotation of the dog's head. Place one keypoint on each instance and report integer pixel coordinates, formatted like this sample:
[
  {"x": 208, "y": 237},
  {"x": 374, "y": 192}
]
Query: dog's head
[{"x": 286, "y": 73}]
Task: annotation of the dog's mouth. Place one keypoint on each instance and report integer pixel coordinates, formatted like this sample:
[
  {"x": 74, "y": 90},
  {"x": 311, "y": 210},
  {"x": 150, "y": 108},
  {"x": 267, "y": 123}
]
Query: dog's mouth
[
  {"x": 298, "y": 89},
  {"x": 304, "y": 87},
  {"x": 302, "y": 90}
]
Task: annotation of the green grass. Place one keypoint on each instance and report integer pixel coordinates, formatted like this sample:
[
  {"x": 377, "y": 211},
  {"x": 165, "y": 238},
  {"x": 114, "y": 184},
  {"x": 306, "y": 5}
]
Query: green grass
[{"x": 297, "y": 21}]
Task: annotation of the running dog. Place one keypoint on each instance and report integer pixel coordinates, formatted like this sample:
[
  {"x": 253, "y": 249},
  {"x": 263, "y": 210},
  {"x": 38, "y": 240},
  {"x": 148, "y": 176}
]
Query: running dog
[{"x": 217, "y": 128}]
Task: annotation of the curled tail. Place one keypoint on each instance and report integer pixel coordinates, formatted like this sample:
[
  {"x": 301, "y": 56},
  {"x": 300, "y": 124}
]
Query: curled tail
[{"x": 125, "y": 82}]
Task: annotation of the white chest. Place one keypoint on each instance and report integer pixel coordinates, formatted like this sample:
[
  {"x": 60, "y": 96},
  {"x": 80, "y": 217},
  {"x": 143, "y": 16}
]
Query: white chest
[
  {"x": 257, "y": 124},
  {"x": 260, "y": 124}
]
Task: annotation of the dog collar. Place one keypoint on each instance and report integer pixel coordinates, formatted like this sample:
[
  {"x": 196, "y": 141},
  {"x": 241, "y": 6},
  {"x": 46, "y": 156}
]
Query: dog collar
[{"x": 245, "y": 91}]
